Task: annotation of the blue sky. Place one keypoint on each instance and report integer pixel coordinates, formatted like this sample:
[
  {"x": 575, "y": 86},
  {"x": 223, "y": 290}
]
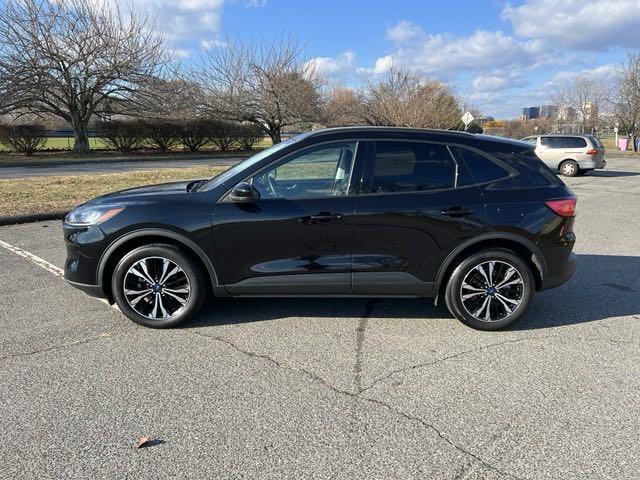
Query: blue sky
[{"x": 497, "y": 55}]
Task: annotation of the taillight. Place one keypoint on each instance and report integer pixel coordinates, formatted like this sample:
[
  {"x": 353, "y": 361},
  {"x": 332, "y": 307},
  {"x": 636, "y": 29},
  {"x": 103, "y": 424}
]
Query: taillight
[
  {"x": 565, "y": 207},
  {"x": 593, "y": 151}
]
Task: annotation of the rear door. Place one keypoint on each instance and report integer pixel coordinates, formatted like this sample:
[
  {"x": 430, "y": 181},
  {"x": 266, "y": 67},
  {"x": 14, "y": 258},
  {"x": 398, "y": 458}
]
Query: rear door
[
  {"x": 409, "y": 215},
  {"x": 575, "y": 148},
  {"x": 551, "y": 150}
]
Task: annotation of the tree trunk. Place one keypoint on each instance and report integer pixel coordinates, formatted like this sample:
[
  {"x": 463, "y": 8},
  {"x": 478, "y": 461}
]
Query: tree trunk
[
  {"x": 80, "y": 135},
  {"x": 276, "y": 135}
]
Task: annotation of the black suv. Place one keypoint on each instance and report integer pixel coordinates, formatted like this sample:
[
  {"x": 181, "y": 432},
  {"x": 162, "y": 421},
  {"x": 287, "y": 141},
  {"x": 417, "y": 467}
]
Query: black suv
[{"x": 476, "y": 221}]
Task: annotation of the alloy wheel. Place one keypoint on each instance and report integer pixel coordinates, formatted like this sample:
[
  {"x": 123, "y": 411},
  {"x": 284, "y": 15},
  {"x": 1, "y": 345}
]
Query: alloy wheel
[
  {"x": 156, "y": 288},
  {"x": 492, "y": 291}
]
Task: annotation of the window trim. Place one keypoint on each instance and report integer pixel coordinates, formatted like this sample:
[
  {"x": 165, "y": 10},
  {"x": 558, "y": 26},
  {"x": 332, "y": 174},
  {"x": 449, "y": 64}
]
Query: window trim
[{"x": 224, "y": 198}]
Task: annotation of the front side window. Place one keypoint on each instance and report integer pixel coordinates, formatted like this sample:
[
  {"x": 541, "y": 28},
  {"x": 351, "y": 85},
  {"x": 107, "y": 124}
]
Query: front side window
[
  {"x": 320, "y": 171},
  {"x": 552, "y": 142},
  {"x": 412, "y": 167}
]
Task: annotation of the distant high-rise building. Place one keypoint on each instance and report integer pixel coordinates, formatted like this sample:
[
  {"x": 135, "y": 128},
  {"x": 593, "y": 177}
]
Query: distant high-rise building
[
  {"x": 529, "y": 113},
  {"x": 548, "y": 111}
]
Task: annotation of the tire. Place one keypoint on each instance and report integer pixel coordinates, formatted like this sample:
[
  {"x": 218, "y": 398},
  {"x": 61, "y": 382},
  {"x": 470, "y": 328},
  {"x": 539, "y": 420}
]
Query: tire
[
  {"x": 569, "y": 168},
  {"x": 168, "y": 302},
  {"x": 467, "y": 280}
]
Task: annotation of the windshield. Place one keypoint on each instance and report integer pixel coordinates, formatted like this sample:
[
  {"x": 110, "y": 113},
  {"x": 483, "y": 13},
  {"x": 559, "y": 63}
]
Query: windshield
[{"x": 227, "y": 174}]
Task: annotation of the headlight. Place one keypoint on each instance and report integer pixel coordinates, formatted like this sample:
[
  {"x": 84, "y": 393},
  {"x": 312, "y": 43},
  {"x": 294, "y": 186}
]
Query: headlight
[{"x": 91, "y": 215}]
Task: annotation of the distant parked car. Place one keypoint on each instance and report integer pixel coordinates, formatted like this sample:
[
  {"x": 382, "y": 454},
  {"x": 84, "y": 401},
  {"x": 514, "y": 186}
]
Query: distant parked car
[{"x": 570, "y": 155}]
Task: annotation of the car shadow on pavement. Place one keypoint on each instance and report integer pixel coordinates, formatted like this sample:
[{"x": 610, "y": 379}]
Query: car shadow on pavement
[
  {"x": 611, "y": 173},
  {"x": 603, "y": 287}
]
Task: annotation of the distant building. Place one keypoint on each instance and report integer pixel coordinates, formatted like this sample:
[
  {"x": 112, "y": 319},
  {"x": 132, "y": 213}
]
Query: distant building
[
  {"x": 566, "y": 114},
  {"x": 548, "y": 111},
  {"x": 530, "y": 113},
  {"x": 542, "y": 111}
]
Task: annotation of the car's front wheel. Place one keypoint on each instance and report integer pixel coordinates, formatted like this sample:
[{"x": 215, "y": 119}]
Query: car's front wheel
[
  {"x": 158, "y": 286},
  {"x": 490, "y": 289}
]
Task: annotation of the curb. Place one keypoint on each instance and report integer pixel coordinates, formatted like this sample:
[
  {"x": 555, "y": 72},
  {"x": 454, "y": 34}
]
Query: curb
[
  {"x": 35, "y": 217},
  {"x": 102, "y": 160}
]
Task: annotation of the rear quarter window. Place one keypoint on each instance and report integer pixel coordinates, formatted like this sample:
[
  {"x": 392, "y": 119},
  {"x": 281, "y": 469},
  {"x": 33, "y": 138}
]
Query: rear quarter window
[
  {"x": 532, "y": 172},
  {"x": 479, "y": 168}
]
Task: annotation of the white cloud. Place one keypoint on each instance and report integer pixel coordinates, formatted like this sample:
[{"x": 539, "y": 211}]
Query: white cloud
[
  {"x": 498, "y": 80},
  {"x": 590, "y": 24},
  {"x": 442, "y": 55},
  {"x": 212, "y": 43},
  {"x": 403, "y": 32},
  {"x": 341, "y": 66}
]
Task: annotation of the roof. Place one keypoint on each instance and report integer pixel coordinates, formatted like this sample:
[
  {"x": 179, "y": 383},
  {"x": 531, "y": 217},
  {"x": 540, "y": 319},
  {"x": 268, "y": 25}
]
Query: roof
[{"x": 453, "y": 136}]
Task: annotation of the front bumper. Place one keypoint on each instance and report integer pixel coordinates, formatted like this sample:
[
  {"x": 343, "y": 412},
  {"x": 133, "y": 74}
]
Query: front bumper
[
  {"x": 84, "y": 246},
  {"x": 93, "y": 290}
]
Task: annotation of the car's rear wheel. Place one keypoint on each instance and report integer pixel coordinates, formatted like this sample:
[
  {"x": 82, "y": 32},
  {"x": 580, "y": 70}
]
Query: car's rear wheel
[
  {"x": 569, "y": 168},
  {"x": 158, "y": 286},
  {"x": 490, "y": 289}
]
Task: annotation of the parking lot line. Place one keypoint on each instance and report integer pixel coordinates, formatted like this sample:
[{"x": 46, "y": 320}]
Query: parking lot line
[{"x": 42, "y": 263}]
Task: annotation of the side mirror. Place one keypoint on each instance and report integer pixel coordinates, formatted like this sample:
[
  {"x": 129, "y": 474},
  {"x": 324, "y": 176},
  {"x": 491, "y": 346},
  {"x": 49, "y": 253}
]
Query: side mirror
[{"x": 242, "y": 193}]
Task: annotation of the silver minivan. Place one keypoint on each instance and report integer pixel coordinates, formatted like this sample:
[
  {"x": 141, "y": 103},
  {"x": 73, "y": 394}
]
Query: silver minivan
[{"x": 570, "y": 155}]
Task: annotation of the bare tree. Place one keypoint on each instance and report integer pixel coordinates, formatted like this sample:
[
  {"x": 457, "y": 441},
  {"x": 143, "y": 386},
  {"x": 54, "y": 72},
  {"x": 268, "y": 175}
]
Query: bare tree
[
  {"x": 627, "y": 99},
  {"x": 344, "y": 107},
  {"x": 404, "y": 99},
  {"x": 587, "y": 98},
  {"x": 75, "y": 59},
  {"x": 267, "y": 85}
]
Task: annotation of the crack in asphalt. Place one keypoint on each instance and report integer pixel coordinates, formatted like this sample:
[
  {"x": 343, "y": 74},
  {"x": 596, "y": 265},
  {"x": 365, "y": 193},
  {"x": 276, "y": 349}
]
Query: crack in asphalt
[
  {"x": 57, "y": 347},
  {"x": 449, "y": 357},
  {"x": 357, "y": 396},
  {"x": 360, "y": 336}
]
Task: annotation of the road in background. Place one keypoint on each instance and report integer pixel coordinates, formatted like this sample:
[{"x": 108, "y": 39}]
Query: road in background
[
  {"x": 111, "y": 167},
  {"x": 328, "y": 388}
]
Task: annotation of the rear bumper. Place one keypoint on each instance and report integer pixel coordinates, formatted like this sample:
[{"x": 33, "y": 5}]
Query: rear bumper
[
  {"x": 592, "y": 164},
  {"x": 561, "y": 274}
]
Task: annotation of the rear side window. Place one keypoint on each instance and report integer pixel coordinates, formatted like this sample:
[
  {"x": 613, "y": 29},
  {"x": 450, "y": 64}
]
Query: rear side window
[
  {"x": 531, "y": 140},
  {"x": 575, "y": 142},
  {"x": 412, "y": 167},
  {"x": 553, "y": 142},
  {"x": 479, "y": 169}
]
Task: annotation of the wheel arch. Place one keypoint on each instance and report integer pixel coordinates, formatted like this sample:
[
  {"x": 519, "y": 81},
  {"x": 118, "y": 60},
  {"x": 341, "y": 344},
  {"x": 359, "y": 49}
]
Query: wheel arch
[
  {"x": 137, "y": 238},
  {"x": 521, "y": 246},
  {"x": 568, "y": 159}
]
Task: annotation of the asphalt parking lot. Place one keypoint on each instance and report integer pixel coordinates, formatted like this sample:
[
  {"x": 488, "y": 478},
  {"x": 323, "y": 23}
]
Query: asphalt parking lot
[{"x": 301, "y": 388}]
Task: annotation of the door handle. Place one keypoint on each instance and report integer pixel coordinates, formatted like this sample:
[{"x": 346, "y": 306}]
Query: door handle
[
  {"x": 321, "y": 218},
  {"x": 457, "y": 212}
]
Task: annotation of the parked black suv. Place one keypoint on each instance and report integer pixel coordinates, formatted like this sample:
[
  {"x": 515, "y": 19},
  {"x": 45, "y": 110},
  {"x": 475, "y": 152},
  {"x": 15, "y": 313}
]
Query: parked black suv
[{"x": 476, "y": 221}]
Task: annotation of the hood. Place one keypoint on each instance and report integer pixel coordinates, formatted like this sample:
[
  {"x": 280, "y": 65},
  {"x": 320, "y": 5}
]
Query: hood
[{"x": 148, "y": 191}]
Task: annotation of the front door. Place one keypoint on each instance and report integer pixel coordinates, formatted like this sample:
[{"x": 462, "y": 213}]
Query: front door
[
  {"x": 409, "y": 216},
  {"x": 297, "y": 237}
]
